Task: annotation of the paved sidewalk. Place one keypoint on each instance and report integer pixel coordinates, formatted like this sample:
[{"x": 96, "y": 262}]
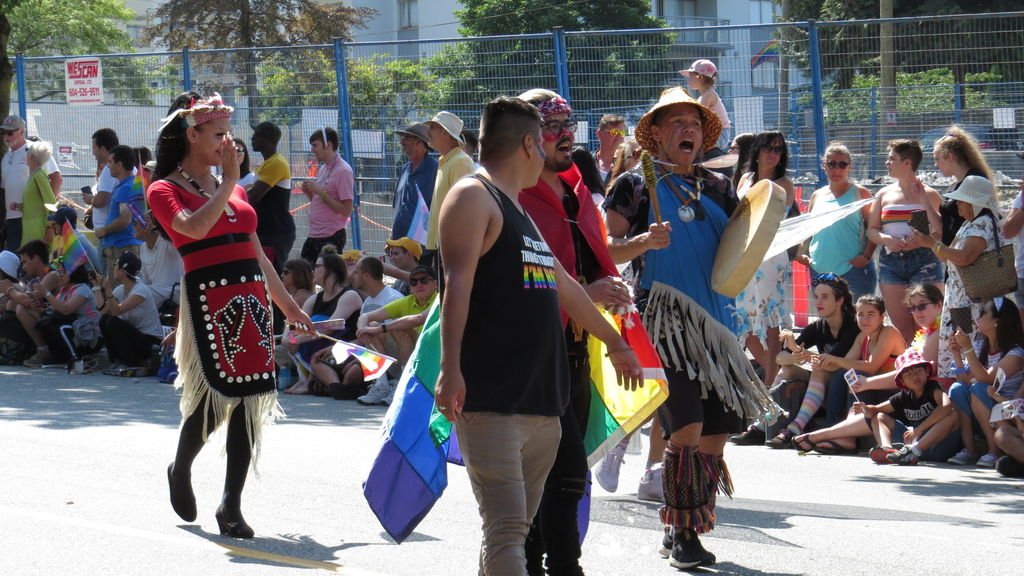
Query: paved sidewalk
[{"x": 85, "y": 493}]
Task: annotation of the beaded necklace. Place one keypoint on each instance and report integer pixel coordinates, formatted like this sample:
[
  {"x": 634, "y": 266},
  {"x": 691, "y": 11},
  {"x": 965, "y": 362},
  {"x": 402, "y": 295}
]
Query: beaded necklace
[
  {"x": 227, "y": 207},
  {"x": 690, "y": 208}
]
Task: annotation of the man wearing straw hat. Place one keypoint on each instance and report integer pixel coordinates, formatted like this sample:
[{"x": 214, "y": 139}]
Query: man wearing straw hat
[{"x": 712, "y": 386}]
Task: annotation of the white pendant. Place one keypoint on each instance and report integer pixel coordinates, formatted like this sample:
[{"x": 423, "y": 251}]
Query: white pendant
[{"x": 686, "y": 213}]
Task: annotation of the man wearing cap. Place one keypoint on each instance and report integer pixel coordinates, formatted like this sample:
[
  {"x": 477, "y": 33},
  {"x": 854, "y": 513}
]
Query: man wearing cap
[
  {"x": 330, "y": 196},
  {"x": 403, "y": 255},
  {"x": 415, "y": 179},
  {"x": 54, "y": 235},
  {"x": 14, "y": 175},
  {"x": 445, "y": 131},
  {"x": 402, "y": 318},
  {"x": 712, "y": 386},
  {"x": 563, "y": 210},
  {"x": 611, "y": 131},
  {"x": 271, "y": 196}
]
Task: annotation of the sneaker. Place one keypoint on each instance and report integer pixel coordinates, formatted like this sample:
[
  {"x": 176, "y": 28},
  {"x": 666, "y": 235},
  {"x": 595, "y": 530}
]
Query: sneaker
[
  {"x": 688, "y": 552},
  {"x": 988, "y": 461},
  {"x": 783, "y": 440},
  {"x": 377, "y": 393},
  {"x": 607, "y": 473},
  {"x": 666, "y": 543},
  {"x": 904, "y": 457},
  {"x": 752, "y": 436},
  {"x": 392, "y": 388},
  {"x": 963, "y": 458},
  {"x": 38, "y": 359},
  {"x": 651, "y": 488},
  {"x": 1009, "y": 467},
  {"x": 879, "y": 454}
]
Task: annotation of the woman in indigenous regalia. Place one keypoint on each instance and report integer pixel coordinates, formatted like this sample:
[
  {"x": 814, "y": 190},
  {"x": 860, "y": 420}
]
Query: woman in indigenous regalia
[{"x": 225, "y": 343}]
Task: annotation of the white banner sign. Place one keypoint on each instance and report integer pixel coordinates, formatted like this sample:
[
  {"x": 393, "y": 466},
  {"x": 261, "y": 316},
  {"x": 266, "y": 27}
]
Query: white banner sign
[
  {"x": 83, "y": 81},
  {"x": 793, "y": 231}
]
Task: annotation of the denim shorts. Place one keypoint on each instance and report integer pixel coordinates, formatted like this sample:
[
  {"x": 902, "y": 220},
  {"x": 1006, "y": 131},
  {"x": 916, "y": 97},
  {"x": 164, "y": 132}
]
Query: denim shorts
[{"x": 910, "y": 267}]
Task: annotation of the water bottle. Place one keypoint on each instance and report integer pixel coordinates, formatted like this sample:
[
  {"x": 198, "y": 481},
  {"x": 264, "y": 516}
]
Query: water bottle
[{"x": 284, "y": 378}]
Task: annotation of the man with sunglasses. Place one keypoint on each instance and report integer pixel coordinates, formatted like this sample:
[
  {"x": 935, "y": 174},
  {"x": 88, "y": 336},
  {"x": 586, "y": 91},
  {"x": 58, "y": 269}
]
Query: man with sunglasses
[
  {"x": 611, "y": 131},
  {"x": 14, "y": 177},
  {"x": 563, "y": 210},
  {"x": 401, "y": 319},
  {"x": 444, "y": 131}
]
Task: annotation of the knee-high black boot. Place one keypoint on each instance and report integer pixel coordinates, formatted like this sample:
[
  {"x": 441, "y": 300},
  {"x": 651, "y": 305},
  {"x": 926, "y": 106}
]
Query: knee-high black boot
[{"x": 179, "y": 473}]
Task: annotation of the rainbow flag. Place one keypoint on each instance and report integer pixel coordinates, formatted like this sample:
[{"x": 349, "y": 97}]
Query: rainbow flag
[
  {"x": 73, "y": 254},
  {"x": 410, "y": 472},
  {"x": 374, "y": 365},
  {"x": 420, "y": 219},
  {"x": 771, "y": 51}
]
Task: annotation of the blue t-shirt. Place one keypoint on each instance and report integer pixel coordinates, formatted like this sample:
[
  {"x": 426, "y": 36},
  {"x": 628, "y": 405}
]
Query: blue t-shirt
[
  {"x": 123, "y": 194},
  {"x": 421, "y": 179}
]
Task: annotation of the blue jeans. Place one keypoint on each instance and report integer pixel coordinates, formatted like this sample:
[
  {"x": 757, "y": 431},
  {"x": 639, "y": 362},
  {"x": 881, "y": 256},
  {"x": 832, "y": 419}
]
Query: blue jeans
[
  {"x": 919, "y": 265},
  {"x": 944, "y": 450},
  {"x": 960, "y": 395}
]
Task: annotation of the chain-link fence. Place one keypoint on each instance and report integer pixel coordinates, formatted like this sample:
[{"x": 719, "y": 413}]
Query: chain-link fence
[{"x": 862, "y": 83}]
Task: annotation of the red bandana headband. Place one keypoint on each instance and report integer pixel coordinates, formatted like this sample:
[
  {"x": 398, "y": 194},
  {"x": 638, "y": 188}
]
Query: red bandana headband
[
  {"x": 554, "y": 106},
  {"x": 200, "y": 112}
]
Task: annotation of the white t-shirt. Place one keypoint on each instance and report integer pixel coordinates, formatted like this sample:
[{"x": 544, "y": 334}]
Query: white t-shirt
[
  {"x": 105, "y": 183},
  {"x": 162, "y": 268},
  {"x": 247, "y": 180},
  {"x": 143, "y": 317},
  {"x": 15, "y": 176},
  {"x": 388, "y": 294},
  {"x": 1018, "y": 203}
]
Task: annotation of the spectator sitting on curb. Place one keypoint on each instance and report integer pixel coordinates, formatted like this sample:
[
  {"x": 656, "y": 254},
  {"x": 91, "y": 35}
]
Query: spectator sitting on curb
[
  {"x": 403, "y": 255},
  {"x": 402, "y": 318}
]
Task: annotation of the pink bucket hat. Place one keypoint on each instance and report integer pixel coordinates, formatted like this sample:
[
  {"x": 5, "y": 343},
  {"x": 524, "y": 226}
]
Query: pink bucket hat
[
  {"x": 702, "y": 67},
  {"x": 909, "y": 359}
]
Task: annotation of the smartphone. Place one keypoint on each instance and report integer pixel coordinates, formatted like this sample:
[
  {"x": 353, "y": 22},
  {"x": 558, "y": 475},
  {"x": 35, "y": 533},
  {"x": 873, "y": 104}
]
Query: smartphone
[
  {"x": 86, "y": 190},
  {"x": 962, "y": 319},
  {"x": 919, "y": 221}
]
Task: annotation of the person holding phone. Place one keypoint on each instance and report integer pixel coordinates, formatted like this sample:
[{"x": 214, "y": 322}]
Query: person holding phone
[{"x": 904, "y": 260}]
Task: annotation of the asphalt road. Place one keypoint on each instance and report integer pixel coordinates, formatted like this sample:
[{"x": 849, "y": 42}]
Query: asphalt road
[{"x": 83, "y": 492}]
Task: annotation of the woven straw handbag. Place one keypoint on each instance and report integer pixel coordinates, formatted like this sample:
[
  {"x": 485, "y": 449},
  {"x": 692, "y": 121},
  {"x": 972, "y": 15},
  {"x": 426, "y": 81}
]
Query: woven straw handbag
[{"x": 992, "y": 274}]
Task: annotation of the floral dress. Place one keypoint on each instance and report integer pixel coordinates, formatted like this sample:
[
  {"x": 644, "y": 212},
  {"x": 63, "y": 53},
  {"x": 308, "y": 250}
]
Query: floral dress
[{"x": 956, "y": 295}]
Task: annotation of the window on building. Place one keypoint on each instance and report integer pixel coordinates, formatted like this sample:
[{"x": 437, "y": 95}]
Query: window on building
[{"x": 408, "y": 14}]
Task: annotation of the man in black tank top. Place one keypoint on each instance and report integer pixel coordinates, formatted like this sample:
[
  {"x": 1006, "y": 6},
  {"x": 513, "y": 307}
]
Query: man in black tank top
[{"x": 504, "y": 377}]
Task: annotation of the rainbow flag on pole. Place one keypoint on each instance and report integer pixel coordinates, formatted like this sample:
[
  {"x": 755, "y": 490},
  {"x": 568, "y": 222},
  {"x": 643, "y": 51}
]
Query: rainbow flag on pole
[
  {"x": 410, "y": 472},
  {"x": 771, "y": 51},
  {"x": 374, "y": 365},
  {"x": 73, "y": 254}
]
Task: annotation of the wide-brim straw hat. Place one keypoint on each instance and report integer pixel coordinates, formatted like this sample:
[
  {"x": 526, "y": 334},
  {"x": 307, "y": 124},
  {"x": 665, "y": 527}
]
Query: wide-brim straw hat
[
  {"x": 977, "y": 191},
  {"x": 711, "y": 124}
]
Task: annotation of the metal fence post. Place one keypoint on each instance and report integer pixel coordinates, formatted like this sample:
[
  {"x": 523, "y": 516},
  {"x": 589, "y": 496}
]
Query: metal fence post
[
  {"x": 874, "y": 132},
  {"x": 345, "y": 130},
  {"x": 561, "y": 62},
  {"x": 19, "y": 72},
  {"x": 814, "y": 49},
  {"x": 186, "y": 71},
  {"x": 957, "y": 107}
]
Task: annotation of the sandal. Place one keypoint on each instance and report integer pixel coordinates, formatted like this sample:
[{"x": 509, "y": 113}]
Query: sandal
[
  {"x": 804, "y": 443},
  {"x": 830, "y": 448},
  {"x": 783, "y": 440}
]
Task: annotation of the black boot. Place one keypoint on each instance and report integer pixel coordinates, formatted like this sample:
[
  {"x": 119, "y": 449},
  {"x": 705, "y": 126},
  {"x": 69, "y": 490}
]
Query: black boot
[
  {"x": 229, "y": 514},
  {"x": 688, "y": 552},
  {"x": 183, "y": 499}
]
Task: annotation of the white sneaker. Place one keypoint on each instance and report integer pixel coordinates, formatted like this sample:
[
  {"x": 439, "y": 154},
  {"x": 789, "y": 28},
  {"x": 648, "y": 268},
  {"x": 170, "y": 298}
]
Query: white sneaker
[
  {"x": 988, "y": 461},
  {"x": 963, "y": 458},
  {"x": 392, "y": 387},
  {"x": 651, "y": 488},
  {"x": 378, "y": 392},
  {"x": 607, "y": 472}
]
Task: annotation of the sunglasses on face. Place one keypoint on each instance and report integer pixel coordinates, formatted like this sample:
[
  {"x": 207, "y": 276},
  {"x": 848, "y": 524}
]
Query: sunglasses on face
[
  {"x": 557, "y": 126},
  {"x": 8, "y": 132},
  {"x": 832, "y": 164},
  {"x": 774, "y": 149},
  {"x": 918, "y": 307},
  {"x": 420, "y": 280}
]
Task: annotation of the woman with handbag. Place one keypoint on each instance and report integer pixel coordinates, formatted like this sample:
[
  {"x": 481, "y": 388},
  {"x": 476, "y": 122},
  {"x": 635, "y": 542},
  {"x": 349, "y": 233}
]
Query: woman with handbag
[{"x": 979, "y": 235}]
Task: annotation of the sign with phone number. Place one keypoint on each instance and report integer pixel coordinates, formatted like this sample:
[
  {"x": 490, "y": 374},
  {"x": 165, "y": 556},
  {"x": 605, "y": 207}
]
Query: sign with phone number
[{"x": 83, "y": 81}]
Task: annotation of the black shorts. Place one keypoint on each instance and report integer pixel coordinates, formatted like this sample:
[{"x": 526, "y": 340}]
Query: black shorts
[{"x": 684, "y": 406}]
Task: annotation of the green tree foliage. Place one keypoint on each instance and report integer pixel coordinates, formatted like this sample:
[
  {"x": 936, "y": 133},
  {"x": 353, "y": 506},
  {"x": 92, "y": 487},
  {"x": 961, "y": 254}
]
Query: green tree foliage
[
  {"x": 254, "y": 25},
  {"x": 601, "y": 70}
]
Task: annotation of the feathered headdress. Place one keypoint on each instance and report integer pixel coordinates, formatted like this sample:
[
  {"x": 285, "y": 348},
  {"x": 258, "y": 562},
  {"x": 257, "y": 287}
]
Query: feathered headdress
[{"x": 200, "y": 111}]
